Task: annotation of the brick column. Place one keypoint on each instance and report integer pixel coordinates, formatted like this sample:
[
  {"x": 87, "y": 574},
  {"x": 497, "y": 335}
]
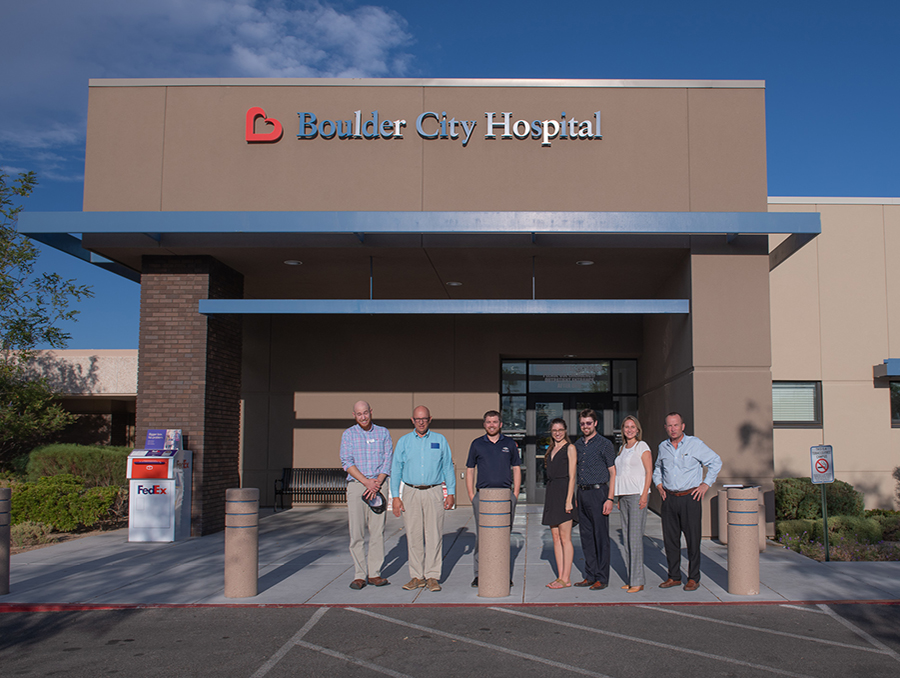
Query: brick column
[{"x": 189, "y": 373}]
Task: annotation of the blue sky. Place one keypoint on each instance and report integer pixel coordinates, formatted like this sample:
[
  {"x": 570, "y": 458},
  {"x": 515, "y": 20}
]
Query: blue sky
[{"x": 832, "y": 72}]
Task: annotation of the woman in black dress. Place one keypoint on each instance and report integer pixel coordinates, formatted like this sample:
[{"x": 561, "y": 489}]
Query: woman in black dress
[{"x": 559, "y": 511}]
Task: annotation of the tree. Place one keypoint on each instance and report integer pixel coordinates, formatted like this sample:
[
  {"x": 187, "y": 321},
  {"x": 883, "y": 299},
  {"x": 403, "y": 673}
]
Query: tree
[{"x": 32, "y": 307}]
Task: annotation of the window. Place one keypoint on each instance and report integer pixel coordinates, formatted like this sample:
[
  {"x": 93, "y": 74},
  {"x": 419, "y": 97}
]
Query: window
[
  {"x": 895, "y": 404},
  {"x": 797, "y": 404}
]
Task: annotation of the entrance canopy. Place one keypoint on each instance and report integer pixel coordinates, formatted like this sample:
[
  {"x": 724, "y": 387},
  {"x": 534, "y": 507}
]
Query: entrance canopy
[{"x": 469, "y": 262}]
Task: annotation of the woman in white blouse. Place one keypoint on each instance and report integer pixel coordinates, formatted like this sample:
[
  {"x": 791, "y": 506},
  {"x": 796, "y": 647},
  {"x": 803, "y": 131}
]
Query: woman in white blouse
[{"x": 634, "y": 470}]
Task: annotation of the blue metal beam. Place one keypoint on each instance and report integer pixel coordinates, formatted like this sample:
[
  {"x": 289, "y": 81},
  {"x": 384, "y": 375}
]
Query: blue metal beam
[
  {"x": 359, "y": 223},
  {"x": 72, "y": 245},
  {"x": 890, "y": 368},
  {"x": 442, "y": 306}
]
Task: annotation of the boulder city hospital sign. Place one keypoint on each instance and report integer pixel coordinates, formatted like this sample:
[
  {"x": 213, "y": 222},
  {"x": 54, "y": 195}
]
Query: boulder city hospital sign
[{"x": 428, "y": 125}]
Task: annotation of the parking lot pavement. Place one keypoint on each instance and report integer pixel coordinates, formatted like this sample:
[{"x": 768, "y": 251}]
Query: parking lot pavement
[{"x": 419, "y": 641}]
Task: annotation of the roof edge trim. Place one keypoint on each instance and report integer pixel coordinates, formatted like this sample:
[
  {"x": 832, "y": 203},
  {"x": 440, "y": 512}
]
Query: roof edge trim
[
  {"x": 441, "y": 306},
  {"x": 650, "y": 223},
  {"x": 786, "y": 200},
  {"x": 420, "y": 82}
]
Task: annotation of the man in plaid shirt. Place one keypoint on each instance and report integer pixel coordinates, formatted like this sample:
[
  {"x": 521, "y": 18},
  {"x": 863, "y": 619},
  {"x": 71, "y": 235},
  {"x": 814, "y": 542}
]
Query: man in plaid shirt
[{"x": 366, "y": 451}]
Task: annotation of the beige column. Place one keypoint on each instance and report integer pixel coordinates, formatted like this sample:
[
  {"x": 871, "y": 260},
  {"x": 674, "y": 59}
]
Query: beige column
[
  {"x": 241, "y": 542},
  {"x": 743, "y": 541},
  {"x": 494, "y": 526},
  {"x": 722, "y": 500}
]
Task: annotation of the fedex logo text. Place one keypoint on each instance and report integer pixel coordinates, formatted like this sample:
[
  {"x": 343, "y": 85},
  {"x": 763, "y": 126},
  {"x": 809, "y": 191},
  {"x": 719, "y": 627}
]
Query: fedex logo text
[{"x": 155, "y": 489}]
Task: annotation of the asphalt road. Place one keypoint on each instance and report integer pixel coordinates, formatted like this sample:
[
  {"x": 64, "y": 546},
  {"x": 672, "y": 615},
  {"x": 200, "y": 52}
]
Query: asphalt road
[{"x": 520, "y": 641}]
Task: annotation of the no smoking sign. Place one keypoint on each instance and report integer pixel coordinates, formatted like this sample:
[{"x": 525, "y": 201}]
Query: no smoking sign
[{"x": 821, "y": 459}]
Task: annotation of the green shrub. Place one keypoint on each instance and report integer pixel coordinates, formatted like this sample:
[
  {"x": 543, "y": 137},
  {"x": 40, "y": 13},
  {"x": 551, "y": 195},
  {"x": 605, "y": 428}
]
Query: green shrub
[
  {"x": 797, "y": 530},
  {"x": 98, "y": 466},
  {"x": 29, "y": 534},
  {"x": 874, "y": 513},
  {"x": 851, "y": 528},
  {"x": 798, "y": 498},
  {"x": 62, "y": 502},
  {"x": 858, "y": 528},
  {"x": 890, "y": 524}
]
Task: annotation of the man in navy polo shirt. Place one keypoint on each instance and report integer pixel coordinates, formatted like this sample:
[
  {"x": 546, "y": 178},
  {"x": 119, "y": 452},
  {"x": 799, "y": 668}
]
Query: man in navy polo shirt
[{"x": 499, "y": 465}]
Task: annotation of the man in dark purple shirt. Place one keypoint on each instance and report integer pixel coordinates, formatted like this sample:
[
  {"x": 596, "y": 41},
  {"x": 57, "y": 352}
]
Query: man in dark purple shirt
[{"x": 595, "y": 491}]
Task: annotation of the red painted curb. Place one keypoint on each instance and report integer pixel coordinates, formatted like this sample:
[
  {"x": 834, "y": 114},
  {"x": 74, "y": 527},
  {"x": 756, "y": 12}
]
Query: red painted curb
[{"x": 74, "y": 607}]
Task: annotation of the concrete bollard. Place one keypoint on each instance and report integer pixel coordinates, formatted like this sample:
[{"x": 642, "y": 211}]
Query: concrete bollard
[
  {"x": 762, "y": 522},
  {"x": 5, "y": 502},
  {"x": 743, "y": 541},
  {"x": 241, "y": 542},
  {"x": 494, "y": 526},
  {"x": 722, "y": 498}
]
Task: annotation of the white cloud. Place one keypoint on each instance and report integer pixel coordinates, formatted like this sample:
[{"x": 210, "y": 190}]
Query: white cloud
[{"x": 51, "y": 48}]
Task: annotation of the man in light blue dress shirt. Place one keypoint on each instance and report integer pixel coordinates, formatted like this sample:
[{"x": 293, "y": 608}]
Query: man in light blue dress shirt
[
  {"x": 678, "y": 475},
  {"x": 422, "y": 462}
]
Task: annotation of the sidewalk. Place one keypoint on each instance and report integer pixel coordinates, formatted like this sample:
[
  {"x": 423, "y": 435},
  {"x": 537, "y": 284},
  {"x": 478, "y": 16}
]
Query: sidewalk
[{"x": 304, "y": 560}]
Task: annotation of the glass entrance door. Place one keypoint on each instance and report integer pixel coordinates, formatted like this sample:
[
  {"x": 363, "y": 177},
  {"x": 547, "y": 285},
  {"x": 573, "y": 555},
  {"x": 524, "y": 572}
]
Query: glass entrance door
[
  {"x": 535, "y": 392},
  {"x": 541, "y": 411}
]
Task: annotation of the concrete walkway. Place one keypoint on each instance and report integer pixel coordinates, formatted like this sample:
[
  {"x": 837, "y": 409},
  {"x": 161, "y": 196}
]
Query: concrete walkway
[{"x": 304, "y": 560}]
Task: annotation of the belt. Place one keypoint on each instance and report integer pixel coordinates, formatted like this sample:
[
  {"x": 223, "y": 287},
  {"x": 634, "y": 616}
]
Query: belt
[
  {"x": 593, "y": 487},
  {"x": 681, "y": 494},
  {"x": 421, "y": 487}
]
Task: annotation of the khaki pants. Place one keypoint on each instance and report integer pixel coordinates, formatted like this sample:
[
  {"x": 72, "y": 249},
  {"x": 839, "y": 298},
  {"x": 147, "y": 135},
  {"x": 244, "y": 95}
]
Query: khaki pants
[
  {"x": 361, "y": 517},
  {"x": 423, "y": 517}
]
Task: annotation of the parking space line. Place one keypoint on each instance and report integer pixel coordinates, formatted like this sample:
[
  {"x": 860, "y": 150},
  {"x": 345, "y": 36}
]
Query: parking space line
[
  {"x": 804, "y": 608},
  {"x": 479, "y": 643},
  {"x": 353, "y": 660},
  {"x": 664, "y": 646},
  {"x": 861, "y": 648},
  {"x": 858, "y": 631},
  {"x": 295, "y": 639}
]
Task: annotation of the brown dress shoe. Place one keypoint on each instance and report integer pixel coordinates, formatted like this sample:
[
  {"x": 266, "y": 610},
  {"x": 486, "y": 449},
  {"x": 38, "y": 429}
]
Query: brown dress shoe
[
  {"x": 378, "y": 581},
  {"x": 691, "y": 585},
  {"x": 584, "y": 582},
  {"x": 357, "y": 584},
  {"x": 669, "y": 583},
  {"x": 598, "y": 585}
]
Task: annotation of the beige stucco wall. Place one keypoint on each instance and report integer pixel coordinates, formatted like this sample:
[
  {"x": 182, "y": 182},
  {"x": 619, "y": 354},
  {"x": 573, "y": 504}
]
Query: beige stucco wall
[
  {"x": 170, "y": 146},
  {"x": 301, "y": 379},
  {"x": 70, "y": 372},
  {"x": 834, "y": 306}
]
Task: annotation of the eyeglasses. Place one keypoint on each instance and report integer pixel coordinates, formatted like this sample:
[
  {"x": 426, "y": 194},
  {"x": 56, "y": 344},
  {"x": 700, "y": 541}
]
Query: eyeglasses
[{"x": 421, "y": 420}]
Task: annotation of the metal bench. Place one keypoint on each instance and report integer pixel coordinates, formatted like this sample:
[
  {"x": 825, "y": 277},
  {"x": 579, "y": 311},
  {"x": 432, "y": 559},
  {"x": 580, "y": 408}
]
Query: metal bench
[{"x": 312, "y": 486}]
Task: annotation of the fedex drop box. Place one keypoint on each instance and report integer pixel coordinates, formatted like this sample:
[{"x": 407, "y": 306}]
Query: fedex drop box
[{"x": 159, "y": 501}]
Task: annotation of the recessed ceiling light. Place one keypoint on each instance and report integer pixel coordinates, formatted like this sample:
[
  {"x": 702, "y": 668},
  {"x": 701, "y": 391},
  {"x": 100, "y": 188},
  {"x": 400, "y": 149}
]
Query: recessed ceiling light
[
  {"x": 293, "y": 262},
  {"x": 453, "y": 283},
  {"x": 585, "y": 262}
]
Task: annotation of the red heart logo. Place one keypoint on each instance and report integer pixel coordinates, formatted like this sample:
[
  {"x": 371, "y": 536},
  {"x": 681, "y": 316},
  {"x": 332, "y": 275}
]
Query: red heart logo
[{"x": 252, "y": 136}]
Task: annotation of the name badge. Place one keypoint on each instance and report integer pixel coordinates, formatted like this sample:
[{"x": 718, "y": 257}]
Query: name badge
[{"x": 435, "y": 446}]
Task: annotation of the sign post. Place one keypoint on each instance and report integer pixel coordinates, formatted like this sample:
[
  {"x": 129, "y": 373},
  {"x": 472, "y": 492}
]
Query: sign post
[{"x": 821, "y": 460}]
